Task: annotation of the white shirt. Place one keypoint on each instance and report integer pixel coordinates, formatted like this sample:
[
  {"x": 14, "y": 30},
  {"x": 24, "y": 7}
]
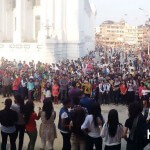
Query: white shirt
[
  {"x": 106, "y": 87},
  {"x": 130, "y": 87},
  {"x": 48, "y": 94},
  {"x": 23, "y": 83},
  {"x": 101, "y": 88},
  {"x": 89, "y": 124},
  {"x": 64, "y": 115},
  {"x": 110, "y": 141},
  {"x": 145, "y": 92}
]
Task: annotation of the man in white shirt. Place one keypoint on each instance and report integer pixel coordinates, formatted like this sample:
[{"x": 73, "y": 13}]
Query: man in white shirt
[
  {"x": 24, "y": 91},
  {"x": 107, "y": 92},
  {"x": 101, "y": 92}
]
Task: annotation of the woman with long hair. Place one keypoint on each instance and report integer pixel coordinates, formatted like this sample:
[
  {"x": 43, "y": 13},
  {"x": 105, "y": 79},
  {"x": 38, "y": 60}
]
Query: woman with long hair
[
  {"x": 30, "y": 120},
  {"x": 20, "y": 124},
  {"x": 47, "y": 127},
  {"x": 112, "y": 131},
  {"x": 136, "y": 125},
  {"x": 92, "y": 125}
]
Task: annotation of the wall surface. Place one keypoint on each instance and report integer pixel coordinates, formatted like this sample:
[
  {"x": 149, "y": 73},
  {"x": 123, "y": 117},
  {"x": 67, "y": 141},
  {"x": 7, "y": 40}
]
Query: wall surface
[
  {"x": 66, "y": 30},
  {"x": 49, "y": 53}
]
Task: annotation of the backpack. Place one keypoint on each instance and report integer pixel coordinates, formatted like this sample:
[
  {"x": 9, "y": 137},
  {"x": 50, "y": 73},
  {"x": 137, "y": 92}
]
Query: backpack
[{"x": 78, "y": 119}]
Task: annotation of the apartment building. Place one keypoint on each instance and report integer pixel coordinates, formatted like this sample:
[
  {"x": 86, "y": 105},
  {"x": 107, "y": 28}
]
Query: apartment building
[{"x": 120, "y": 33}]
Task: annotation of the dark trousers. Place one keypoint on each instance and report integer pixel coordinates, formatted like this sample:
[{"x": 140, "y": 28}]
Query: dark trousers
[
  {"x": 24, "y": 92},
  {"x": 30, "y": 95},
  {"x": 20, "y": 130},
  {"x": 114, "y": 147},
  {"x": 63, "y": 94},
  {"x": 101, "y": 98},
  {"x": 133, "y": 146},
  {"x": 6, "y": 91},
  {"x": 130, "y": 97},
  {"x": 111, "y": 96},
  {"x": 32, "y": 137},
  {"x": 12, "y": 137},
  {"x": 136, "y": 98},
  {"x": 94, "y": 141},
  {"x": 116, "y": 97},
  {"x": 66, "y": 141},
  {"x": 106, "y": 97},
  {"x": 123, "y": 99}
]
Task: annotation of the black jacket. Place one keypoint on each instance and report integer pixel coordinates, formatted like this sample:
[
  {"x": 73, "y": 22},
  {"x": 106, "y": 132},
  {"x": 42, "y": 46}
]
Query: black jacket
[{"x": 8, "y": 117}]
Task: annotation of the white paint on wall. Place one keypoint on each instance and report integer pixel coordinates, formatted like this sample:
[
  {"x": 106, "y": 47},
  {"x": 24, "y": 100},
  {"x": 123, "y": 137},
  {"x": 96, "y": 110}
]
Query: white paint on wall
[{"x": 67, "y": 29}]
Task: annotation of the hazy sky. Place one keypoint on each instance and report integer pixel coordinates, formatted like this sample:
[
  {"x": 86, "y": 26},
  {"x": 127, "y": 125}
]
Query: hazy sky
[{"x": 115, "y": 10}]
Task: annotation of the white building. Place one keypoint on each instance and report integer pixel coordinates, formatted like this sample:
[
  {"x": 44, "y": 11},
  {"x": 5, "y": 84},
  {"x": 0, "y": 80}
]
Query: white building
[
  {"x": 46, "y": 30},
  {"x": 131, "y": 34}
]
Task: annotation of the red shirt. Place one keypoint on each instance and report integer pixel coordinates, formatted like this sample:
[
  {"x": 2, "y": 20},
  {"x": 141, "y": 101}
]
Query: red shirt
[
  {"x": 123, "y": 89},
  {"x": 31, "y": 126}
]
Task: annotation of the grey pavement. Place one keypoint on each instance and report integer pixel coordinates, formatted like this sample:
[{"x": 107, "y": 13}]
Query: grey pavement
[{"x": 123, "y": 115}]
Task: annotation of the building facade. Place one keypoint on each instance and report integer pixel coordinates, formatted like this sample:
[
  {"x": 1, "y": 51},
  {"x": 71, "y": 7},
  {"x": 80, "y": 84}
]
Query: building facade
[
  {"x": 143, "y": 35},
  {"x": 111, "y": 33},
  {"x": 131, "y": 35},
  {"x": 51, "y": 30},
  {"x": 121, "y": 33}
]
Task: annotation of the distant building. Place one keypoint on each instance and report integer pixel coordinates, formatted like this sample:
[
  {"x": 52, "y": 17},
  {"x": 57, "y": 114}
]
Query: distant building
[
  {"x": 131, "y": 35},
  {"x": 143, "y": 35},
  {"x": 120, "y": 33},
  {"x": 112, "y": 33}
]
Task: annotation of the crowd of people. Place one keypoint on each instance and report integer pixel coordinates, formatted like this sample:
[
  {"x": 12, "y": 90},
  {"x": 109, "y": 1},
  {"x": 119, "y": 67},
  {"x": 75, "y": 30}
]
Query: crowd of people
[
  {"x": 115, "y": 77},
  {"x": 104, "y": 76}
]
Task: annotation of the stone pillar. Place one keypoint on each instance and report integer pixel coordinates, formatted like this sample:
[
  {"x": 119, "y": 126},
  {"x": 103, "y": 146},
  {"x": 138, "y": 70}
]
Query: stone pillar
[
  {"x": 18, "y": 21},
  {"x": 6, "y": 7},
  {"x": 2, "y": 19},
  {"x": 64, "y": 21},
  {"x": 28, "y": 21},
  {"x": 58, "y": 19}
]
